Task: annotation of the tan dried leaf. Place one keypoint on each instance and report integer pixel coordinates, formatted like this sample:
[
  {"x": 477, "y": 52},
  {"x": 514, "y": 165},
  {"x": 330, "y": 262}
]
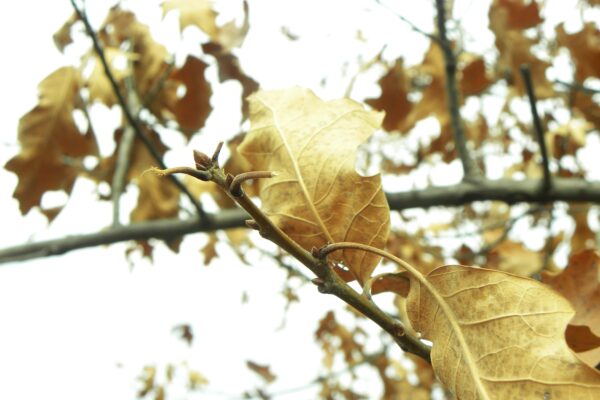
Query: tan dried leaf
[
  {"x": 262, "y": 370},
  {"x": 198, "y": 13},
  {"x": 317, "y": 197},
  {"x": 62, "y": 37},
  {"x": 515, "y": 258},
  {"x": 151, "y": 58},
  {"x": 508, "y": 18},
  {"x": 158, "y": 197},
  {"x": 98, "y": 84},
  {"x": 498, "y": 336},
  {"x": 52, "y": 146},
  {"x": 209, "y": 251},
  {"x": 580, "y": 283}
]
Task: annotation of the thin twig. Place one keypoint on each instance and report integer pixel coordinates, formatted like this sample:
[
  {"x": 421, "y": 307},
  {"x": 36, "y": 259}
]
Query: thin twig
[
  {"x": 329, "y": 281},
  {"x": 539, "y": 130},
  {"x": 578, "y": 86},
  {"x": 505, "y": 190},
  {"x": 128, "y": 114},
  {"x": 124, "y": 152},
  {"x": 471, "y": 170},
  {"x": 157, "y": 86},
  {"x": 410, "y": 23}
]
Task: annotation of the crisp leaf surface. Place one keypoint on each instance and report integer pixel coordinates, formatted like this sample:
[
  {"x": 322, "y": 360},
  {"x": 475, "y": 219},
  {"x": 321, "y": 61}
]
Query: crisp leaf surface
[
  {"x": 317, "y": 196},
  {"x": 498, "y": 336}
]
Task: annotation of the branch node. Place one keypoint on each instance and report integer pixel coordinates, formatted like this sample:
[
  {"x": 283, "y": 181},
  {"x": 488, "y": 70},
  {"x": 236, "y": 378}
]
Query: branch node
[
  {"x": 252, "y": 224},
  {"x": 235, "y": 187}
]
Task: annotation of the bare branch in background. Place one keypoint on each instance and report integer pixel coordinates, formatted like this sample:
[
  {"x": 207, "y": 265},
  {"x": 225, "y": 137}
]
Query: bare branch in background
[
  {"x": 471, "y": 170},
  {"x": 410, "y": 23},
  {"x": 539, "y": 130},
  {"x": 508, "y": 191}
]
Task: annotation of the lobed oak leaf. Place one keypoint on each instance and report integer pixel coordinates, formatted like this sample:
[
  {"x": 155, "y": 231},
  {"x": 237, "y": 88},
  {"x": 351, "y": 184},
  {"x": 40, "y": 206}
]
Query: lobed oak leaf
[
  {"x": 51, "y": 144},
  {"x": 150, "y": 63},
  {"x": 473, "y": 77},
  {"x": 515, "y": 258},
  {"x": 584, "y": 47},
  {"x": 498, "y": 336},
  {"x": 198, "y": 13},
  {"x": 62, "y": 37},
  {"x": 394, "y": 98},
  {"x": 519, "y": 14},
  {"x": 229, "y": 68},
  {"x": 583, "y": 237},
  {"x": 515, "y": 48},
  {"x": 317, "y": 197},
  {"x": 192, "y": 110},
  {"x": 579, "y": 282}
]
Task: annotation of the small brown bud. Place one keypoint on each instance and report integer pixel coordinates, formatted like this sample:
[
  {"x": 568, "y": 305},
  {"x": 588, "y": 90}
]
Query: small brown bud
[
  {"x": 203, "y": 162},
  {"x": 252, "y": 224}
]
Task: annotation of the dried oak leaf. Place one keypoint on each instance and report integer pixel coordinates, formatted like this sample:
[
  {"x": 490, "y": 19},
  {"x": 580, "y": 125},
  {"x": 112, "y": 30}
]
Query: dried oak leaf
[
  {"x": 317, "y": 197},
  {"x": 158, "y": 197},
  {"x": 98, "y": 83},
  {"x": 198, "y": 13},
  {"x": 229, "y": 68},
  {"x": 580, "y": 283},
  {"x": 192, "y": 110},
  {"x": 520, "y": 14},
  {"x": 209, "y": 251},
  {"x": 583, "y": 237},
  {"x": 394, "y": 98},
  {"x": 262, "y": 370},
  {"x": 585, "y": 49},
  {"x": 498, "y": 336},
  {"x": 150, "y": 63},
  {"x": 515, "y": 258},
  {"x": 508, "y": 18},
  {"x": 473, "y": 77},
  {"x": 51, "y": 144},
  {"x": 62, "y": 37}
]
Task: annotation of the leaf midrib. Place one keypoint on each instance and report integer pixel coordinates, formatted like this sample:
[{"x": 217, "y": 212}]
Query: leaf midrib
[{"x": 296, "y": 169}]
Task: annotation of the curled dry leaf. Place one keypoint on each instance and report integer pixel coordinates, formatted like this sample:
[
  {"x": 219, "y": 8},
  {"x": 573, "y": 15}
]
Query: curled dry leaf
[
  {"x": 51, "y": 144},
  {"x": 498, "y": 336},
  {"x": 317, "y": 197}
]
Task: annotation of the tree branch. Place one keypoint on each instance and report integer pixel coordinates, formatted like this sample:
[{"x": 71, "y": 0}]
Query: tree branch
[
  {"x": 409, "y": 23},
  {"x": 471, "y": 171},
  {"x": 508, "y": 191},
  {"x": 131, "y": 119},
  {"x": 578, "y": 86},
  {"x": 537, "y": 124}
]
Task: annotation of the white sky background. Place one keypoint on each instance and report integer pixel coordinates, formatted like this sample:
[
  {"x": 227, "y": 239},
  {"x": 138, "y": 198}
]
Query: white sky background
[{"x": 83, "y": 325}]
